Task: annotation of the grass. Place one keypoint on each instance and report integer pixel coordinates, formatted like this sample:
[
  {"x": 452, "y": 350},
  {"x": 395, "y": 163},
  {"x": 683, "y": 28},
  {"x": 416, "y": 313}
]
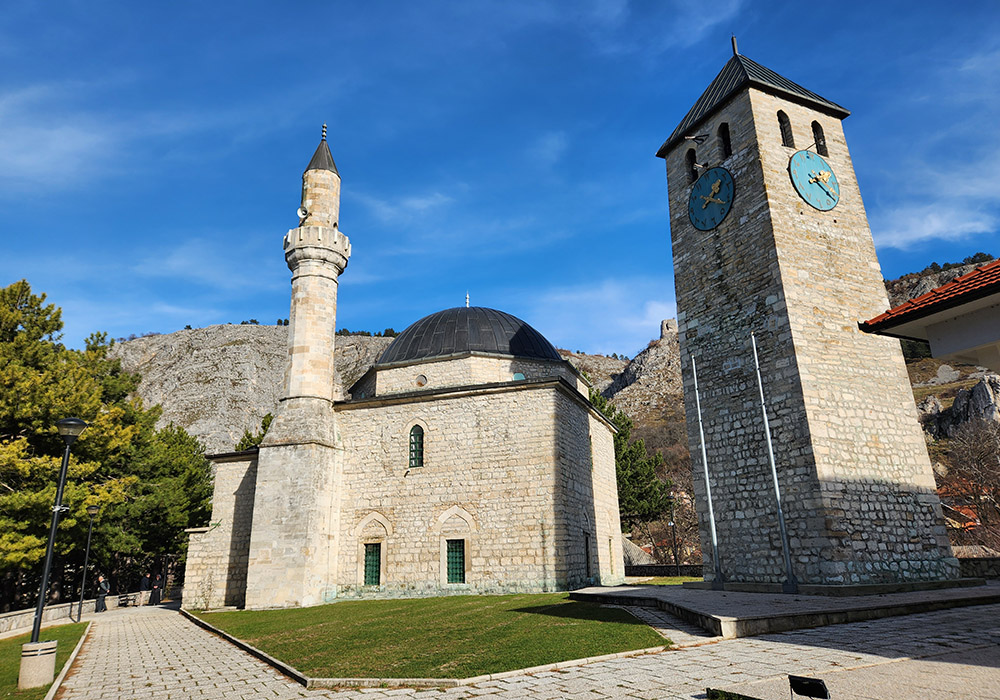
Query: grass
[
  {"x": 671, "y": 580},
  {"x": 10, "y": 658},
  {"x": 448, "y": 637}
]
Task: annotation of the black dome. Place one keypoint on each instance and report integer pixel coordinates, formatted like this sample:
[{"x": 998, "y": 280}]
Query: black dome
[{"x": 466, "y": 329}]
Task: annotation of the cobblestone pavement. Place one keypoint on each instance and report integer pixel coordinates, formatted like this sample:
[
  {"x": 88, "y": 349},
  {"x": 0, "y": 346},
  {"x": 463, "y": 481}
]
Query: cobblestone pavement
[
  {"x": 681, "y": 633},
  {"x": 156, "y": 653}
]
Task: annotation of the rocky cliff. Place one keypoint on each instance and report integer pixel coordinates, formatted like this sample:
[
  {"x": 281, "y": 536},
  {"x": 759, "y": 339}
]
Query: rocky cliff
[{"x": 218, "y": 381}]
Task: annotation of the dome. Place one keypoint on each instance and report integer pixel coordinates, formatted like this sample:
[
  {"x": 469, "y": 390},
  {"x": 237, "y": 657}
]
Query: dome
[{"x": 466, "y": 329}]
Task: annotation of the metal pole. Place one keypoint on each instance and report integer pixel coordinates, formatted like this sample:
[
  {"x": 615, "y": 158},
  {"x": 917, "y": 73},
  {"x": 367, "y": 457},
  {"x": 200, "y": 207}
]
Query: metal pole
[
  {"x": 57, "y": 509},
  {"x": 86, "y": 560},
  {"x": 673, "y": 529},
  {"x": 719, "y": 580},
  {"x": 791, "y": 585}
]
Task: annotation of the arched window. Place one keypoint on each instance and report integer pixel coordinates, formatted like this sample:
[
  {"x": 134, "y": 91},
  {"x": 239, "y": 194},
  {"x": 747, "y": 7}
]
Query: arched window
[
  {"x": 689, "y": 161},
  {"x": 819, "y": 139},
  {"x": 786, "y": 130},
  {"x": 416, "y": 447},
  {"x": 724, "y": 143}
]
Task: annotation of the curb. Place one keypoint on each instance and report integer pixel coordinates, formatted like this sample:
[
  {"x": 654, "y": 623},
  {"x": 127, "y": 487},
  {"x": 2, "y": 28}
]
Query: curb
[
  {"x": 314, "y": 683},
  {"x": 54, "y": 688}
]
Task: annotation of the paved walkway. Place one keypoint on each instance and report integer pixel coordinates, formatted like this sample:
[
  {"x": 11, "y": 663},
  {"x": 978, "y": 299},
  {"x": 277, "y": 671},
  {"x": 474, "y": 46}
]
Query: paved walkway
[{"x": 155, "y": 653}]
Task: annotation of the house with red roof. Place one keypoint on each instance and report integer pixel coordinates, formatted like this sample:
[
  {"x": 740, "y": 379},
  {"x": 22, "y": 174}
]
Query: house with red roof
[{"x": 960, "y": 319}]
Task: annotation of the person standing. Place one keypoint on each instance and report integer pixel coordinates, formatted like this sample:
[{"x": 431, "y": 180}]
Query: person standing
[
  {"x": 144, "y": 587},
  {"x": 103, "y": 588},
  {"x": 157, "y": 590}
]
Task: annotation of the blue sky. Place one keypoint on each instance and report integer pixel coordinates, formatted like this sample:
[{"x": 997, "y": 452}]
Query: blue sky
[{"x": 151, "y": 153}]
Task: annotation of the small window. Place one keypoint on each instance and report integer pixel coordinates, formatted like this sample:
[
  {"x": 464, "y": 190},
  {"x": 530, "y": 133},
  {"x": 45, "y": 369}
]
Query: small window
[
  {"x": 724, "y": 143},
  {"x": 820, "y": 139},
  {"x": 421, "y": 380},
  {"x": 689, "y": 161},
  {"x": 416, "y": 446},
  {"x": 373, "y": 564},
  {"x": 518, "y": 376},
  {"x": 456, "y": 561},
  {"x": 786, "y": 130}
]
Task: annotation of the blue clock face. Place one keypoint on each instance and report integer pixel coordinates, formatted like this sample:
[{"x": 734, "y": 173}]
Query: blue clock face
[
  {"x": 711, "y": 199},
  {"x": 814, "y": 180}
]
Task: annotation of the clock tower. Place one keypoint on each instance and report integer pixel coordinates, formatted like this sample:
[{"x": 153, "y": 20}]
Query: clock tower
[{"x": 770, "y": 238}]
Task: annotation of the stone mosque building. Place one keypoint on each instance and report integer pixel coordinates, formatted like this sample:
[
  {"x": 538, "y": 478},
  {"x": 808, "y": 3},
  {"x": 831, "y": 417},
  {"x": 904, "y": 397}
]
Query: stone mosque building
[{"x": 468, "y": 459}]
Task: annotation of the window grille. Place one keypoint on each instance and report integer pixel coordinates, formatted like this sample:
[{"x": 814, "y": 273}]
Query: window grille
[
  {"x": 786, "y": 130},
  {"x": 373, "y": 564},
  {"x": 416, "y": 446},
  {"x": 456, "y": 561},
  {"x": 820, "y": 138}
]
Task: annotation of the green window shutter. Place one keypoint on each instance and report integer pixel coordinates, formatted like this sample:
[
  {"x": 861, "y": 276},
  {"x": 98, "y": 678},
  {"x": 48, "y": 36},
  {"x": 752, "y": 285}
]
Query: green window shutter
[
  {"x": 373, "y": 564},
  {"x": 456, "y": 561},
  {"x": 416, "y": 446}
]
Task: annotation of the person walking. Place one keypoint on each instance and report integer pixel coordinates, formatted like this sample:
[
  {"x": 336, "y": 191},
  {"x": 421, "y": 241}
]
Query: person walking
[
  {"x": 157, "y": 590},
  {"x": 103, "y": 588}
]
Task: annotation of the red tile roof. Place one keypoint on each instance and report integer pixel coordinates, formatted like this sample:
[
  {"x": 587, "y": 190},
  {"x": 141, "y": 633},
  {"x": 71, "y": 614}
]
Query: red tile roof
[{"x": 981, "y": 282}]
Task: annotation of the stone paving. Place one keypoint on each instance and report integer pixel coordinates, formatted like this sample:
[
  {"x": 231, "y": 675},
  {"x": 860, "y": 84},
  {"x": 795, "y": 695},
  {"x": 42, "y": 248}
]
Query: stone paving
[{"x": 156, "y": 653}]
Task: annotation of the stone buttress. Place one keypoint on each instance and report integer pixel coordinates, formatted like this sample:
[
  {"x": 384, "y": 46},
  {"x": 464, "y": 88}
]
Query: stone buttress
[{"x": 293, "y": 552}]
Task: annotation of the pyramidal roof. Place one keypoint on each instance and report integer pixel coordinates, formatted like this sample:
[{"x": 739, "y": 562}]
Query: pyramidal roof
[
  {"x": 322, "y": 159},
  {"x": 740, "y": 72}
]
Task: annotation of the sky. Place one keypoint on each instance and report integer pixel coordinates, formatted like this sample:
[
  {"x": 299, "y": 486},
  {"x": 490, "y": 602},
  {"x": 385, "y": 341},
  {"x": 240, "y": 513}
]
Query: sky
[{"x": 151, "y": 153}]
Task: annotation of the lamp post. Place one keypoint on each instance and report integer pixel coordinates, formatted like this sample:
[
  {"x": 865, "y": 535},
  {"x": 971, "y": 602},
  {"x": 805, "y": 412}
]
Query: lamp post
[
  {"x": 38, "y": 659},
  {"x": 91, "y": 511},
  {"x": 673, "y": 530}
]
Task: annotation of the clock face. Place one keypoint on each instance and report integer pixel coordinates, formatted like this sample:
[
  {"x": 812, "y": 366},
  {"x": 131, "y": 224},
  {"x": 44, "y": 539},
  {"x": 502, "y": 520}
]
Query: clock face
[
  {"x": 814, "y": 180},
  {"x": 711, "y": 198}
]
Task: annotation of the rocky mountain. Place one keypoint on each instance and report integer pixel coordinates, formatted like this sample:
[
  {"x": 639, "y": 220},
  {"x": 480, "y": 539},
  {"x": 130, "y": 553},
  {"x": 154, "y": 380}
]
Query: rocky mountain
[
  {"x": 914, "y": 284},
  {"x": 218, "y": 381}
]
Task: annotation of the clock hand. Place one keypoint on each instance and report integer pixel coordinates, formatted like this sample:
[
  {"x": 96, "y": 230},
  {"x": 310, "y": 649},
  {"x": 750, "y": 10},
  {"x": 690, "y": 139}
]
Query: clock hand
[
  {"x": 822, "y": 179},
  {"x": 711, "y": 199}
]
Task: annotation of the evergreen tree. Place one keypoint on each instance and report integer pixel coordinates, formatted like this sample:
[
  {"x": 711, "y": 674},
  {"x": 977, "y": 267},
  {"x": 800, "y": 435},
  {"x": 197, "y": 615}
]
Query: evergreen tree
[
  {"x": 251, "y": 440},
  {"x": 642, "y": 496}
]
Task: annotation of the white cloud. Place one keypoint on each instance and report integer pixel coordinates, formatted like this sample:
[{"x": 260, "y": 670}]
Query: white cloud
[
  {"x": 403, "y": 209},
  {"x": 215, "y": 263},
  {"x": 605, "y": 316}
]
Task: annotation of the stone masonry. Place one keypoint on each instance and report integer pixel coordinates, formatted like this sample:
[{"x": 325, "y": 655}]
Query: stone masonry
[
  {"x": 515, "y": 463},
  {"x": 857, "y": 487}
]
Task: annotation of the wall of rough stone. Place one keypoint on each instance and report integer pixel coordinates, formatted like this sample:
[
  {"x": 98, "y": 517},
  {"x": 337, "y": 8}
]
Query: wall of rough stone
[
  {"x": 492, "y": 461},
  {"x": 216, "y": 571},
  {"x": 857, "y": 487}
]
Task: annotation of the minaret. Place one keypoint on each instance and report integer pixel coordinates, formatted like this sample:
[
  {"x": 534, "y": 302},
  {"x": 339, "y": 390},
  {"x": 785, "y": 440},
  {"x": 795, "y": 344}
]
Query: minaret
[{"x": 292, "y": 559}]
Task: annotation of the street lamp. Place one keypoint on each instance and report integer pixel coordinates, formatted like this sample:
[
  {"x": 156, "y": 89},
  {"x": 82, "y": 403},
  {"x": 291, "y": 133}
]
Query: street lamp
[
  {"x": 673, "y": 529},
  {"x": 38, "y": 659},
  {"x": 91, "y": 511}
]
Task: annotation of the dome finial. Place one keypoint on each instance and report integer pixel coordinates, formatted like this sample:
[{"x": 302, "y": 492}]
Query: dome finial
[{"x": 324, "y": 133}]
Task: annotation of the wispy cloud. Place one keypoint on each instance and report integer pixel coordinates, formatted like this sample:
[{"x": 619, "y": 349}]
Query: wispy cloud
[
  {"x": 403, "y": 209},
  {"x": 215, "y": 263},
  {"x": 548, "y": 148}
]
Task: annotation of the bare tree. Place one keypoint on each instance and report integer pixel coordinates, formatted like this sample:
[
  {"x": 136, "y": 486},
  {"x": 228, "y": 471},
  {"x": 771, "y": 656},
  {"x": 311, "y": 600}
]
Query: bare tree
[{"x": 973, "y": 479}]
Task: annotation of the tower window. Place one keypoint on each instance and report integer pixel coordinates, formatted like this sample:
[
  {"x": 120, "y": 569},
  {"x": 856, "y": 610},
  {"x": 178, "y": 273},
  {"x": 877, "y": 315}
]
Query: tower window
[
  {"x": 689, "y": 161},
  {"x": 820, "y": 139},
  {"x": 416, "y": 447},
  {"x": 456, "y": 561},
  {"x": 373, "y": 564},
  {"x": 724, "y": 143},
  {"x": 786, "y": 130}
]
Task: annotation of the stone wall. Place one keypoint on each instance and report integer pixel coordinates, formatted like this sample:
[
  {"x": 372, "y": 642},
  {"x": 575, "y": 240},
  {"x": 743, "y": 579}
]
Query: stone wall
[
  {"x": 215, "y": 575},
  {"x": 858, "y": 492},
  {"x": 469, "y": 369},
  {"x": 980, "y": 567},
  {"x": 500, "y": 469}
]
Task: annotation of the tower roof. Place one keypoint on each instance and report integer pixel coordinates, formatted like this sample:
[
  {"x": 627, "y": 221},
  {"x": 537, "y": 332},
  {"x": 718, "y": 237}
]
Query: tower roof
[
  {"x": 322, "y": 159},
  {"x": 468, "y": 329},
  {"x": 740, "y": 72}
]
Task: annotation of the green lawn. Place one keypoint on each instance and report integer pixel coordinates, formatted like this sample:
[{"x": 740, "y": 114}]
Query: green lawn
[
  {"x": 448, "y": 637},
  {"x": 671, "y": 580},
  {"x": 10, "y": 658}
]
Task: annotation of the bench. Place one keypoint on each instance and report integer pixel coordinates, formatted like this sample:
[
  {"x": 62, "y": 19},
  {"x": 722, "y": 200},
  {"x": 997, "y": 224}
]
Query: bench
[{"x": 127, "y": 599}]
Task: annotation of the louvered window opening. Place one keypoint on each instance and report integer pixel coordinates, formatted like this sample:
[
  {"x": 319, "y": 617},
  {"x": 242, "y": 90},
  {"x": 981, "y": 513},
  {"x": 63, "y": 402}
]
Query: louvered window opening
[
  {"x": 724, "y": 141},
  {"x": 373, "y": 564},
  {"x": 456, "y": 561},
  {"x": 820, "y": 138},
  {"x": 689, "y": 161},
  {"x": 787, "y": 139},
  {"x": 416, "y": 446}
]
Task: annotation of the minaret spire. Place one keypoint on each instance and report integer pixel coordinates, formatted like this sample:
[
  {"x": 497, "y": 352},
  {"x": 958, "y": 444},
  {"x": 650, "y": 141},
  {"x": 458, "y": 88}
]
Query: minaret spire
[{"x": 736, "y": 52}]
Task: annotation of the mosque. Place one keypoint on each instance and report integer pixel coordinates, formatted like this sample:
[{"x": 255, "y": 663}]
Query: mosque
[{"x": 468, "y": 459}]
